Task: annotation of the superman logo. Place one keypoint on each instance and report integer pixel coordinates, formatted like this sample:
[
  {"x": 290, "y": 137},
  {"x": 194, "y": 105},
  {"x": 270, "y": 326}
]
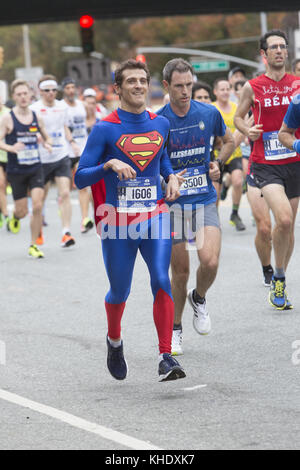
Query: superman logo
[{"x": 141, "y": 148}]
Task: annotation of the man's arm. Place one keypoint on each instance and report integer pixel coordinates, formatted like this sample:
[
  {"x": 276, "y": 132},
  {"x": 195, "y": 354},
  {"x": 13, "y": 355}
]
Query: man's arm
[
  {"x": 173, "y": 188},
  {"x": 69, "y": 137},
  {"x": 166, "y": 168},
  {"x": 47, "y": 141},
  {"x": 238, "y": 136},
  {"x": 228, "y": 146},
  {"x": 173, "y": 180},
  {"x": 244, "y": 106},
  {"x": 92, "y": 168},
  {"x": 287, "y": 137},
  {"x": 291, "y": 123},
  {"x": 5, "y": 128}
]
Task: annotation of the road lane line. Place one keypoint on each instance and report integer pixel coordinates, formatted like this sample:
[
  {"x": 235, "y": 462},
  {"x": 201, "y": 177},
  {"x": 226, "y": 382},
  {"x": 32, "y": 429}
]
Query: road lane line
[
  {"x": 190, "y": 389},
  {"x": 79, "y": 423}
]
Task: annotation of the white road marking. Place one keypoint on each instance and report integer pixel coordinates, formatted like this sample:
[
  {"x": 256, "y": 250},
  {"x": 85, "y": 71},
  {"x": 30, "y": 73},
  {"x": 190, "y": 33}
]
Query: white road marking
[
  {"x": 79, "y": 423},
  {"x": 189, "y": 389}
]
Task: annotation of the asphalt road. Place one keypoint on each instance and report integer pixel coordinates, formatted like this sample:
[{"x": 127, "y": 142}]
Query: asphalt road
[{"x": 242, "y": 389}]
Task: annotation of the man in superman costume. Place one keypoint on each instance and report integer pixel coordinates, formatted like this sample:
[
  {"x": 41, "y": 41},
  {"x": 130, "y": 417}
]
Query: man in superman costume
[{"x": 122, "y": 161}]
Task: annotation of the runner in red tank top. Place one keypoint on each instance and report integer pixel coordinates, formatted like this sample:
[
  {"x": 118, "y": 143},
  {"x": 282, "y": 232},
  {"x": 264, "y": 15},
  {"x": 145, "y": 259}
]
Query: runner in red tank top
[
  {"x": 275, "y": 169},
  {"x": 271, "y": 101}
]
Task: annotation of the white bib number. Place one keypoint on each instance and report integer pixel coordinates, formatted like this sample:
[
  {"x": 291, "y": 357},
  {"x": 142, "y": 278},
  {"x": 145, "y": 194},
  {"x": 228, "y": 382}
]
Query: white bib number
[
  {"x": 57, "y": 139},
  {"x": 29, "y": 156},
  {"x": 138, "y": 195},
  {"x": 274, "y": 150},
  {"x": 78, "y": 132},
  {"x": 195, "y": 182}
]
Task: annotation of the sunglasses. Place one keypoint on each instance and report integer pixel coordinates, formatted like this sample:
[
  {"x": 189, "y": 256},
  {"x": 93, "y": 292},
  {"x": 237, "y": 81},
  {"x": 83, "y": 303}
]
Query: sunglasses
[{"x": 47, "y": 90}]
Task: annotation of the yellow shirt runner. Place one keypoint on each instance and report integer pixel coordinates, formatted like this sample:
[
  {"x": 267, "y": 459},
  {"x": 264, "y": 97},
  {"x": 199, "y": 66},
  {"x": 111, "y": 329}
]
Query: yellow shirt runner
[{"x": 228, "y": 119}]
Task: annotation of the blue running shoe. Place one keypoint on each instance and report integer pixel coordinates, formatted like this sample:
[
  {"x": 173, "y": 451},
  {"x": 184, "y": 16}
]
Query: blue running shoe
[
  {"x": 170, "y": 369},
  {"x": 288, "y": 305},
  {"x": 116, "y": 363},
  {"x": 277, "y": 296}
]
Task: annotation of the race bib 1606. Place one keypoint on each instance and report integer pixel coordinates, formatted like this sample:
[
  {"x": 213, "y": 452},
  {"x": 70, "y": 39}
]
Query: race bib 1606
[{"x": 137, "y": 195}]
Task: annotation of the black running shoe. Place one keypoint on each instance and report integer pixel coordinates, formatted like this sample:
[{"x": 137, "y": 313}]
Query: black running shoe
[
  {"x": 236, "y": 221},
  {"x": 288, "y": 305},
  {"x": 224, "y": 191},
  {"x": 86, "y": 225},
  {"x": 268, "y": 274},
  {"x": 116, "y": 363},
  {"x": 170, "y": 369}
]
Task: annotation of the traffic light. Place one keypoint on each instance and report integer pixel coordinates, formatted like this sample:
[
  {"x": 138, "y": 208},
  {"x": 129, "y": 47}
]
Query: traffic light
[
  {"x": 87, "y": 33},
  {"x": 140, "y": 58},
  {"x": 1, "y": 56}
]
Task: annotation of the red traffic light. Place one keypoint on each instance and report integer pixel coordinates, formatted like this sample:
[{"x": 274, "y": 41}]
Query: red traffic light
[
  {"x": 86, "y": 21},
  {"x": 87, "y": 33},
  {"x": 140, "y": 58}
]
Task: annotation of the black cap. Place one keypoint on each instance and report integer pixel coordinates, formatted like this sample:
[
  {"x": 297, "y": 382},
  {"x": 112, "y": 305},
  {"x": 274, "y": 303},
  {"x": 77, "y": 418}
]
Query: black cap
[
  {"x": 66, "y": 81},
  {"x": 234, "y": 70}
]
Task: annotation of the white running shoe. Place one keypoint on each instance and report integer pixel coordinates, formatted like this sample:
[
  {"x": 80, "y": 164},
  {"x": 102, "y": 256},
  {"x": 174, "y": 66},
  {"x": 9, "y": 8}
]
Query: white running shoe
[
  {"x": 177, "y": 343},
  {"x": 201, "y": 320}
]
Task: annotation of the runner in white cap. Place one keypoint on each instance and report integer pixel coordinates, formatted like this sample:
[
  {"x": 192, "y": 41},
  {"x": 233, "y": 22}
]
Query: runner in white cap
[
  {"x": 90, "y": 103},
  {"x": 101, "y": 111},
  {"x": 56, "y": 165}
]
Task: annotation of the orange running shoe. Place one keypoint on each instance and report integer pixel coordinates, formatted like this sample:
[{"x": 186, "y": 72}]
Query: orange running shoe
[
  {"x": 67, "y": 240},
  {"x": 40, "y": 240}
]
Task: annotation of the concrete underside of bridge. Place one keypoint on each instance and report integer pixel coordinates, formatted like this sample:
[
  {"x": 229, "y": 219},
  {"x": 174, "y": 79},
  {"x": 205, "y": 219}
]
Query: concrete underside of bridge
[{"x": 14, "y": 11}]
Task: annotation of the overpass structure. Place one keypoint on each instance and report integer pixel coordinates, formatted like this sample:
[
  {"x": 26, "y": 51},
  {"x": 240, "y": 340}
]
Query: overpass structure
[{"x": 36, "y": 11}]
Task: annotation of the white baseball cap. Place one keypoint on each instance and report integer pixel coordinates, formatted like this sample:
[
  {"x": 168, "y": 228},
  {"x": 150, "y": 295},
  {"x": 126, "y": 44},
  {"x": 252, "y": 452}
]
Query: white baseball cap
[{"x": 89, "y": 92}]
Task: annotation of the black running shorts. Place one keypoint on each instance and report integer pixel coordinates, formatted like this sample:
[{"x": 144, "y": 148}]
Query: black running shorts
[
  {"x": 22, "y": 183},
  {"x": 286, "y": 175},
  {"x": 59, "y": 169},
  {"x": 235, "y": 164},
  {"x": 3, "y": 165},
  {"x": 74, "y": 162}
]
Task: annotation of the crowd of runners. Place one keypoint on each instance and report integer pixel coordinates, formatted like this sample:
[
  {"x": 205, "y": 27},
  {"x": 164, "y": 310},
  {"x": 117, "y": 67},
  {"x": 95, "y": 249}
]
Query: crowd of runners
[{"x": 151, "y": 181}]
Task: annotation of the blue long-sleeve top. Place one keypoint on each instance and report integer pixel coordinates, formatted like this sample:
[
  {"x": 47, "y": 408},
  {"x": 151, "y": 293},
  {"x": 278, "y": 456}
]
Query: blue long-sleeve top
[{"x": 136, "y": 139}]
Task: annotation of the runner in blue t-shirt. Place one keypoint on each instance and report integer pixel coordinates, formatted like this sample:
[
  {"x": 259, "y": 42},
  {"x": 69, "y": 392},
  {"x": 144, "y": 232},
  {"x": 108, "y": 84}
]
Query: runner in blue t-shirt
[
  {"x": 289, "y": 136},
  {"x": 291, "y": 124},
  {"x": 192, "y": 125}
]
